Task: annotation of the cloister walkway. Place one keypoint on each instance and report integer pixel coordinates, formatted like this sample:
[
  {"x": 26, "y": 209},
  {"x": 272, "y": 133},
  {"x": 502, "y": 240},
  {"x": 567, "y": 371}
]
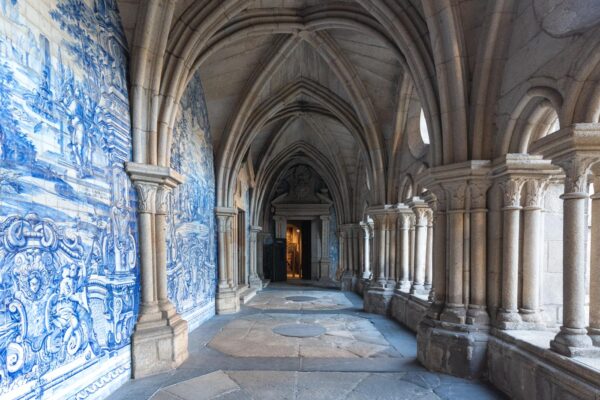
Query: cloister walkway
[{"x": 302, "y": 342}]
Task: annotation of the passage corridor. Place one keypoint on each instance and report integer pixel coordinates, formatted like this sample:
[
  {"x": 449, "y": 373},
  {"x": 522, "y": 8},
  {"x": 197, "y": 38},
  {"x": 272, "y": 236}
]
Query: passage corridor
[{"x": 301, "y": 342}]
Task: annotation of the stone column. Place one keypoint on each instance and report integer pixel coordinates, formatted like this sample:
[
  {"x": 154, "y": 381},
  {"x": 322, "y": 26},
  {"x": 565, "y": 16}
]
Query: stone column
[
  {"x": 380, "y": 251},
  {"x": 254, "y": 279},
  {"x": 508, "y": 316},
  {"x": 404, "y": 282},
  {"x": 455, "y": 309},
  {"x": 146, "y": 207},
  {"x": 532, "y": 247},
  {"x": 477, "y": 313},
  {"x": 160, "y": 340},
  {"x": 392, "y": 220},
  {"x": 420, "y": 210},
  {"x": 594, "y": 328},
  {"x": 429, "y": 258},
  {"x": 347, "y": 243},
  {"x": 379, "y": 294},
  {"x": 575, "y": 149},
  {"x": 438, "y": 292},
  {"x": 227, "y": 298},
  {"x": 162, "y": 210},
  {"x": 325, "y": 260},
  {"x": 445, "y": 335},
  {"x": 367, "y": 235},
  {"x": 572, "y": 337}
]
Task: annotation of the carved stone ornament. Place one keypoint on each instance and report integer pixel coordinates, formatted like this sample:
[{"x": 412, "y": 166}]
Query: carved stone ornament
[
  {"x": 534, "y": 192},
  {"x": 511, "y": 189},
  {"x": 478, "y": 194},
  {"x": 146, "y": 196},
  {"x": 224, "y": 223},
  {"x": 162, "y": 199},
  {"x": 576, "y": 173},
  {"x": 456, "y": 194}
]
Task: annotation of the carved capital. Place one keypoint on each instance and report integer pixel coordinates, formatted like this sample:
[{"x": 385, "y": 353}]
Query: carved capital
[
  {"x": 421, "y": 214},
  {"x": 146, "y": 196},
  {"x": 162, "y": 199},
  {"x": 478, "y": 192},
  {"x": 534, "y": 192},
  {"x": 224, "y": 223},
  {"x": 455, "y": 194},
  {"x": 577, "y": 170},
  {"x": 511, "y": 188}
]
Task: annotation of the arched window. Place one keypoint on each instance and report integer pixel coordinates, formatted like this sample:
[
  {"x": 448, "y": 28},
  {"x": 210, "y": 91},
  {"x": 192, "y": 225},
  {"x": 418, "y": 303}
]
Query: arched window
[{"x": 423, "y": 128}]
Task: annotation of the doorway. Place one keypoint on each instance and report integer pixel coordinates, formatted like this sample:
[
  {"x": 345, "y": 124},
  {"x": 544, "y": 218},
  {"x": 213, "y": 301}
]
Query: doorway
[{"x": 298, "y": 250}]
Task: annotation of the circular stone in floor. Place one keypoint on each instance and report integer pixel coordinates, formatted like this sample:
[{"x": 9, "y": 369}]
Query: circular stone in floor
[
  {"x": 299, "y": 330},
  {"x": 301, "y": 298}
]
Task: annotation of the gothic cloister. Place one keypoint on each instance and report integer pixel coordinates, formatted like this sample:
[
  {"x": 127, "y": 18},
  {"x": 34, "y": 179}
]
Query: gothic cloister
[{"x": 300, "y": 199}]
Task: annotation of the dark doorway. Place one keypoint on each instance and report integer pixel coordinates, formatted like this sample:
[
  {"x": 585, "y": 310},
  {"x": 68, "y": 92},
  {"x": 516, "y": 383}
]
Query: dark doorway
[
  {"x": 279, "y": 262},
  {"x": 241, "y": 231},
  {"x": 298, "y": 250}
]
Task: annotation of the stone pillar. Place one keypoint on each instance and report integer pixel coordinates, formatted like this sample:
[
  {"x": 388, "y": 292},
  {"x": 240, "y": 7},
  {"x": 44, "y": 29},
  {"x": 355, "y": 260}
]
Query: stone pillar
[
  {"x": 594, "y": 328},
  {"x": 438, "y": 292},
  {"x": 227, "y": 299},
  {"x": 347, "y": 240},
  {"x": 455, "y": 309},
  {"x": 477, "y": 313},
  {"x": 532, "y": 249},
  {"x": 429, "y": 257},
  {"x": 325, "y": 260},
  {"x": 160, "y": 340},
  {"x": 508, "y": 316},
  {"x": 254, "y": 279},
  {"x": 575, "y": 149},
  {"x": 390, "y": 273},
  {"x": 367, "y": 236},
  {"x": 379, "y": 294},
  {"x": 421, "y": 211},
  {"x": 573, "y": 335},
  {"x": 146, "y": 207},
  {"x": 404, "y": 282},
  {"x": 162, "y": 210}
]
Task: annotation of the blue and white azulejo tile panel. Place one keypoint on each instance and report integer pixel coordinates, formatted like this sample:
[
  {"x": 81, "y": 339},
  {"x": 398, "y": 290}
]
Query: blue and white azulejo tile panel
[{"x": 68, "y": 248}]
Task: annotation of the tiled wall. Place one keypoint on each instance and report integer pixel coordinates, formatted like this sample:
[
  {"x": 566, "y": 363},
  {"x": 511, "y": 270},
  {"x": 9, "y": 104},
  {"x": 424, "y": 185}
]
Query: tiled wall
[
  {"x": 334, "y": 244},
  {"x": 68, "y": 250},
  {"x": 192, "y": 258}
]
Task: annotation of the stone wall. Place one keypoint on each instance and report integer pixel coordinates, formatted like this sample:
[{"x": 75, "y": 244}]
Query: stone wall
[
  {"x": 68, "y": 247},
  {"x": 191, "y": 238}
]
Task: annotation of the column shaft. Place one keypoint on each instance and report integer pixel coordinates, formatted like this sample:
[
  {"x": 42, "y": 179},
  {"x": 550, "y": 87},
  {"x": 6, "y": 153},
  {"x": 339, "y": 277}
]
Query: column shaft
[{"x": 594, "y": 328}]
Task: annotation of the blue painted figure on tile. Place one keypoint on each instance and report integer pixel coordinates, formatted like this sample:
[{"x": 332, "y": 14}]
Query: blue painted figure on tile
[
  {"x": 191, "y": 241},
  {"x": 68, "y": 248}
]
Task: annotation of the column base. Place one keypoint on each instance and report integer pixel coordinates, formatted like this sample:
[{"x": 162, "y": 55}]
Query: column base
[
  {"x": 159, "y": 346},
  {"x": 377, "y": 300},
  {"x": 362, "y": 286},
  {"x": 227, "y": 301},
  {"x": 403, "y": 286},
  {"x": 508, "y": 320},
  {"x": 255, "y": 282},
  {"x": 455, "y": 349},
  {"x": 348, "y": 282},
  {"x": 574, "y": 343},
  {"x": 419, "y": 290},
  {"x": 454, "y": 314},
  {"x": 477, "y": 315},
  {"x": 594, "y": 334}
]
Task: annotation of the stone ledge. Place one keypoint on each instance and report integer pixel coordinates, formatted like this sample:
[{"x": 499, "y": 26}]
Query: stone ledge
[
  {"x": 408, "y": 309},
  {"x": 524, "y": 369},
  {"x": 454, "y": 349}
]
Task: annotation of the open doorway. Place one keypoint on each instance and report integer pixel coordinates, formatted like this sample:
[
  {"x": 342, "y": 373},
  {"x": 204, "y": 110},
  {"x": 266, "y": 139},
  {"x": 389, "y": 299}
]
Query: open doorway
[{"x": 298, "y": 250}]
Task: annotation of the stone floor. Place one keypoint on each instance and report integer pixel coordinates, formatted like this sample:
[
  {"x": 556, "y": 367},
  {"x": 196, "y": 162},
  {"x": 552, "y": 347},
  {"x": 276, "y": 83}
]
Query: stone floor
[{"x": 294, "y": 342}]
